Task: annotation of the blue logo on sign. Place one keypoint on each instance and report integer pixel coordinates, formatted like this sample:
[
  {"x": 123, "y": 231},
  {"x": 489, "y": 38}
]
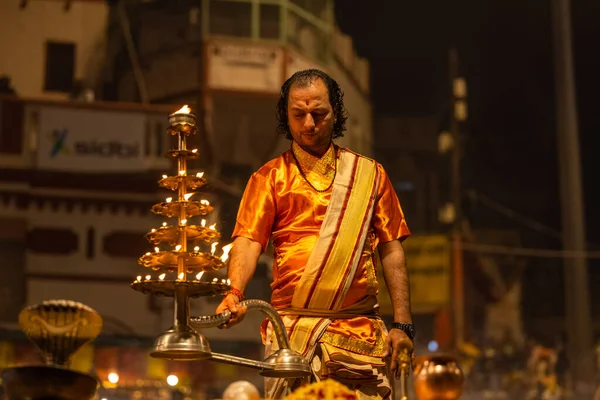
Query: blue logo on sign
[{"x": 58, "y": 138}]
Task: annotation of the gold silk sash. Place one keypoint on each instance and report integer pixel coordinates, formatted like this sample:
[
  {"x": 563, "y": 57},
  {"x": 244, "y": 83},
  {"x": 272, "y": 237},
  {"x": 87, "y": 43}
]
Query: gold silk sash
[
  {"x": 338, "y": 249},
  {"x": 333, "y": 262}
]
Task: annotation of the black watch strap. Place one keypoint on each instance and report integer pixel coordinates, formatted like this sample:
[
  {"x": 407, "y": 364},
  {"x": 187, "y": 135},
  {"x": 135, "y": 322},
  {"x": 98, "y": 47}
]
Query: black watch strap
[{"x": 409, "y": 329}]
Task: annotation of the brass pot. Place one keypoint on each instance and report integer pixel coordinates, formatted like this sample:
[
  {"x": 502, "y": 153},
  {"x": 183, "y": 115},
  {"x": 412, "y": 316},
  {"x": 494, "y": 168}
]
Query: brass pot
[{"x": 438, "y": 377}]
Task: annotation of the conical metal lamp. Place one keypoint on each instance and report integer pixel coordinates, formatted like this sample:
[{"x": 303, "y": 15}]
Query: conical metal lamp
[
  {"x": 286, "y": 363},
  {"x": 181, "y": 342}
]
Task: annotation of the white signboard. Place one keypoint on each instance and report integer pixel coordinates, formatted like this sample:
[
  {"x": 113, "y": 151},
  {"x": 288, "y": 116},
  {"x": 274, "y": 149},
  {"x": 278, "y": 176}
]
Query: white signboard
[
  {"x": 245, "y": 67},
  {"x": 90, "y": 140}
]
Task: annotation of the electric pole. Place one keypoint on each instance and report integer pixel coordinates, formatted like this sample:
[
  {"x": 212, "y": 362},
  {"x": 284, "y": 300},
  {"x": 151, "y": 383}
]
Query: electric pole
[
  {"x": 458, "y": 113},
  {"x": 577, "y": 311}
]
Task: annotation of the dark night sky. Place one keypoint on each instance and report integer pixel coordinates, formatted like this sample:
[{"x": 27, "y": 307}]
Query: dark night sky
[{"x": 505, "y": 47}]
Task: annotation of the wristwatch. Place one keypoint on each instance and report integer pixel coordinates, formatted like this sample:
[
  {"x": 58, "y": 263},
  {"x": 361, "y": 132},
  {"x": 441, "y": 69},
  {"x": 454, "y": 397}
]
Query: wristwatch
[{"x": 409, "y": 329}]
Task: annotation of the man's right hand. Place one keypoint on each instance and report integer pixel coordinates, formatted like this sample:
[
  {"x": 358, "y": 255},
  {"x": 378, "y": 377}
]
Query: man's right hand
[{"x": 231, "y": 303}]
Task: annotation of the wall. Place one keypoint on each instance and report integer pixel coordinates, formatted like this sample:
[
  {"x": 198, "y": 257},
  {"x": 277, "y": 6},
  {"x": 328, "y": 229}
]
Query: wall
[
  {"x": 112, "y": 298},
  {"x": 24, "y": 32},
  {"x": 102, "y": 281}
]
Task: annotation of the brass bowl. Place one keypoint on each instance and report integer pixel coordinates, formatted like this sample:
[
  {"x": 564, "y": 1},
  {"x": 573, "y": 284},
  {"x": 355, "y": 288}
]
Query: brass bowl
[
  {"x": 192, "y": 289},
  {"x": 170, "y": 234},
  {"x": 438, "y": 377},
  {"x": 189, "y": 208},
  {"x": 47, "y": 383},
  {"x": 195, "y": 261}
]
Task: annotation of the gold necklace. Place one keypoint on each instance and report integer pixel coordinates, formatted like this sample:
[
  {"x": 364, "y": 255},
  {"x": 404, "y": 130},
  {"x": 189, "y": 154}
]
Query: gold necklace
[{"x": 306, "y": 178}]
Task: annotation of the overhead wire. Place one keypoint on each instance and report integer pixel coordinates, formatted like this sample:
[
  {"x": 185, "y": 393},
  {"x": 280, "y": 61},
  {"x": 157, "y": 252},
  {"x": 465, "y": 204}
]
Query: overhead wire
[
  {"x": 530, "y": 223},
  {"x": 529, "y": 252},
  {"x": 514, "y": 215}
]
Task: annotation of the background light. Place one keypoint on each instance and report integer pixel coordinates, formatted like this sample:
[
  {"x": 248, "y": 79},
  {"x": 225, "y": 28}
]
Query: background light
[
  {"x": 432, "y": 346},
  {"x": 172, "y": 380},
  {"x": 113, "y": 377}
]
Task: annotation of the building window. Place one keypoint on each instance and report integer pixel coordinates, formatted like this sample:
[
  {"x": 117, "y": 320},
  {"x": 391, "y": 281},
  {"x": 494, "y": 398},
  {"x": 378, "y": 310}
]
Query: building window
[
  {"x": 269, "y": 21},
  {"x": 12, "y": 278},
  {"x": 230, "y": 19},
  {"x": 11, "y": 127},
  {"x": 59, "y": 241},
  {"x": 90, "y": 243},
  {"x": 60, "y": 66}
]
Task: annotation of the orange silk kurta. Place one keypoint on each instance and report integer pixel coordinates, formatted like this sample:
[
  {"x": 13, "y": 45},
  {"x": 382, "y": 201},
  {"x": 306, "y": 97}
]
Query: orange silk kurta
[{"x": 280, "y": 205}]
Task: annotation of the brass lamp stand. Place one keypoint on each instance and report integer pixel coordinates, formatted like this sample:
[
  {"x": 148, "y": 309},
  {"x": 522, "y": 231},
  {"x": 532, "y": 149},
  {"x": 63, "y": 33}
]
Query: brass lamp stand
[{"x": 180, "y": 268}]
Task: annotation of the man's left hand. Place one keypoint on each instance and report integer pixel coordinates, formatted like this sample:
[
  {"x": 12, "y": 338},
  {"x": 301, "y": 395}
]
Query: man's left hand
[{"x": 399, "y": 346}]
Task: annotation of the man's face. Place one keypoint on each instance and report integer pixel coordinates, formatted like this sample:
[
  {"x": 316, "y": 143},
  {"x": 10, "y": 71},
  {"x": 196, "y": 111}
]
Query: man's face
[{"x": 310, "y": 116}]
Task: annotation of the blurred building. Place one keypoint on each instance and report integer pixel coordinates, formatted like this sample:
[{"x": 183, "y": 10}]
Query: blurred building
[
  {"x": 49, "y": 48},
  {"x": 231, "y": 58},
  {"x": 82, "y": 144},
  {"x": 418, "y": 163},
  {"x": 407, "y": 146}
]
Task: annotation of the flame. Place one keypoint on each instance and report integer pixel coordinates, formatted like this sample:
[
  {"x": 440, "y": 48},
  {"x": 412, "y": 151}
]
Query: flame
[
  {"x": 156, "y": 249},
  {"x": 162, "y": 277},
  {"x": 203, "y": 223},
  {"x": 148, "y": 277},
  {"x": 197, "y": 249},
  {"x": 223, "y": 281},
  {"x": 183, "y": 110},
  {"x": 178, "y": 247},
  {"x": 182, "y": 172},
  {"x": 205, "y": 202},
  {"x": 199, "y": 275},
  {"x": 183, "y": 221},
  {"x": 229, "y": 281},
  {"x": 164, "y": 224},
  {"x": 148, "y": 253},
  {"x": 169, "y": 199},
  {"x": 199, "y": 174},
  {"x": 139, "y": 278},
  {"x": 213, "y": 248},
  {"x": 164, "y": 176},
  {"x": 153, "y": 230},
  {"x": 181, "y": 275},
  {"x": 226, "y": 250},
  {"x": 187, "y": 196},
  {"x": 195, "y": 151},
  {"x": 215, "y": 280}
]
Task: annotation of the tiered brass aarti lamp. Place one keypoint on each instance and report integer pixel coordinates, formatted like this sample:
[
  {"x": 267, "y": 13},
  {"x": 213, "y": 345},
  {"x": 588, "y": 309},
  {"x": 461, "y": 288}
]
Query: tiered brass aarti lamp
[{"x": 183, "y": 341}]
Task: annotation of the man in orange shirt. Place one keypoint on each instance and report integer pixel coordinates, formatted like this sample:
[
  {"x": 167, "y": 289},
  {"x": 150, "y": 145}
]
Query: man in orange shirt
[{"x": 326, "y": 210}]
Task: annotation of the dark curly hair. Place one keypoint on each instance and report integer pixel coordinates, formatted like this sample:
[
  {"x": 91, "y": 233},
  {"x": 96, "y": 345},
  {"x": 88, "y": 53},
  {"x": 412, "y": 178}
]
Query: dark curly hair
[{"x": 302, "y": 79}]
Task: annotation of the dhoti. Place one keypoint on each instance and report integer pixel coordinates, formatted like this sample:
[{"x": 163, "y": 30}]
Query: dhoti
[{"x": 367, "y": 375}]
